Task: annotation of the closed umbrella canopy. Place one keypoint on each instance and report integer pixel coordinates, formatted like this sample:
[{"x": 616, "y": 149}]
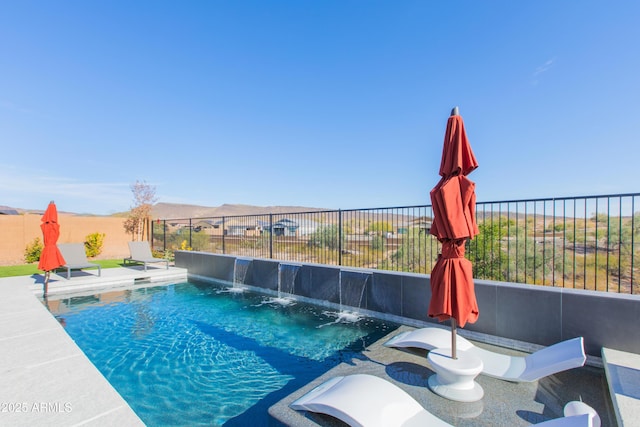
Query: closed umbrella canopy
[
  {"x": 452, "y": 290},
  {"x": 50, "y": 258},
  {"x": 453, "y": 200},
  {"x": 457, "y": 156},
  {"x": 454, "y": 207}
]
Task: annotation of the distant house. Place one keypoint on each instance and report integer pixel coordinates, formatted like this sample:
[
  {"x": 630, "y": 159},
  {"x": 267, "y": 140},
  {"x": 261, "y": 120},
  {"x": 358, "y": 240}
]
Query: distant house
[
  {"x": 214, "y": 227},
  {"x": 290, "y": 227},
  {"x": 423, "y": 224},
  {"x": 248, "y": 227},
  {"x": 179, "y": 225},
  {"x": 231, "y": 227}
]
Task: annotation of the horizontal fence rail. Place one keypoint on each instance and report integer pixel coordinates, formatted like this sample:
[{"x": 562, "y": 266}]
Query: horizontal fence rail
[{"x": 573, "y": 242}]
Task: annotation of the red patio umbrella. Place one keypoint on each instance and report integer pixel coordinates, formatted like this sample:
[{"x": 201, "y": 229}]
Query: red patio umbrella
[
  {"x": 454, "y": 221},
  {"x": 50, "y": 258}
]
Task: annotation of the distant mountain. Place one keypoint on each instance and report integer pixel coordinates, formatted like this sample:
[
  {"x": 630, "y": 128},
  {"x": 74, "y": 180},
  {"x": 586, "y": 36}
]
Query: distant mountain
[
  {"x": 177, "y": 211},
  {"x": 7, "y": 210}
]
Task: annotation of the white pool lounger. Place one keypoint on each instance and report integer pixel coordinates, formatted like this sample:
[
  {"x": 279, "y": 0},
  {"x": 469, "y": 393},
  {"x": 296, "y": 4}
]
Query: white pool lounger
[
  {"x": 368, "y": 401},
  {"x": 363, "y": 400},
  {"x": 559, "y": 357}
]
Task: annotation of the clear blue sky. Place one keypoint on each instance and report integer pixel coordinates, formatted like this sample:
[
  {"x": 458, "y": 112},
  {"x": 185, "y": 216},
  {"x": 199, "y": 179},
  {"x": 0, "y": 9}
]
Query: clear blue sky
[{"x": 327, "y": 103}]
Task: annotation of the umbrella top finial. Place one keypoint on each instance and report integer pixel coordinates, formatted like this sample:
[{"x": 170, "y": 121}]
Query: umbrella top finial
[{"x": 455, "y": 111}]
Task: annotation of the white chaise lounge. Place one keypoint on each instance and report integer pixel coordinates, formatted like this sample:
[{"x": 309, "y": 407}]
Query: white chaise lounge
[
  {"x": 141, "y": 253},
  {"x": 368, "y": 401},
  {"x": 75, "y": 257},
  {"x": 559, "y": 357}
]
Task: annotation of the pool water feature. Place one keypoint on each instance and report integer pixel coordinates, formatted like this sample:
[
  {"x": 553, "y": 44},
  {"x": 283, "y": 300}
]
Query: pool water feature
[
  {"x": 240, "y": 269},
  {"x": 286, "y": 281},
  {"x": 351, "y": 287},
  {"x": 187, "y": 354}
]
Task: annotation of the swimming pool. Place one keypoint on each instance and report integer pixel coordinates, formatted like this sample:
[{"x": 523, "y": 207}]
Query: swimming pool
[{"x": 194, "y": 354}]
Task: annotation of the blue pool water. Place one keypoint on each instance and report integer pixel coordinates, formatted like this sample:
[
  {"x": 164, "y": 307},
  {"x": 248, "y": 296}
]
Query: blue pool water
[{"x": 192, "y": 354}]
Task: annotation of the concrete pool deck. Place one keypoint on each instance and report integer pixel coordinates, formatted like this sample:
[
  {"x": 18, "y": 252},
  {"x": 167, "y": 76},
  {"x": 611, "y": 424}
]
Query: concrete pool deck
[
  {"x": 45, "y": 379},
  {"x": 48, "y": 380}
]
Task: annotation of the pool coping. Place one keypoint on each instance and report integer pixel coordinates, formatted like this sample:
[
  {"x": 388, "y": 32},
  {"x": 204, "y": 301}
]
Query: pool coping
[{"x": 45, "y": 378}]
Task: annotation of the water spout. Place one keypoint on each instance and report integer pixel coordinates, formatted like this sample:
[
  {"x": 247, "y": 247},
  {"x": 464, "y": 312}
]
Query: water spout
[
  {"x": 240, "y": 269},
  {"x": 351, "y": 287},
  {"x": 286, "y": 284}
]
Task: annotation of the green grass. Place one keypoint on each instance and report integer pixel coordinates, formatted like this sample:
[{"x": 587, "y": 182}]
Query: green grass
[{"x": 29, "y": 269}]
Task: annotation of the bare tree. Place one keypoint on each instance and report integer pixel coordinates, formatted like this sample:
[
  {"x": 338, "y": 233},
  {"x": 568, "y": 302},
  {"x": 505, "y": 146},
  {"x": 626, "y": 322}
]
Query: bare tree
[{"x": 137, "y": 223}]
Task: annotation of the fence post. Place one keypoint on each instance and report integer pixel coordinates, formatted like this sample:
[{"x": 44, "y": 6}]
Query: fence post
[
  {"x": 339, "y": 236},
  {"x": 164, "y": 235},
  {"x": 270, "y": 236},
  {"x": 190, "y": 237},
  {"x": 223, "y": 233}
]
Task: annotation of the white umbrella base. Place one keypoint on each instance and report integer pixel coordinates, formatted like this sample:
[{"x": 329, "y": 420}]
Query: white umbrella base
[{"x": 455, "y": 378}]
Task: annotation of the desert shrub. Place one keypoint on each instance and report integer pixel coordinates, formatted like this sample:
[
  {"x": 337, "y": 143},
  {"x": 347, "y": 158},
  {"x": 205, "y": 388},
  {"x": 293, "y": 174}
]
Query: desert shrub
[
  {"x": 380, "y": 227},
  {"x": 327, "y": 236},
  {"x": 187, "y": 240},
  {"x": 377, "y": 243},
  {"x": 166, "y": 254},
  {"x": 93, "y": 244},
  {"x": 33, "y": 251},
  {"x": 416, "y": 253}
]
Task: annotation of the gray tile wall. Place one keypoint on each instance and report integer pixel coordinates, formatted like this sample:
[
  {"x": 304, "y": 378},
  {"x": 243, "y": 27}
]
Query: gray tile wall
[{"x": 534, "y": 314}]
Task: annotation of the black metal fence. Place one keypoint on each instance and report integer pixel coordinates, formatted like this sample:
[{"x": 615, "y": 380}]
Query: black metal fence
[{"x": 576, "y": 242}]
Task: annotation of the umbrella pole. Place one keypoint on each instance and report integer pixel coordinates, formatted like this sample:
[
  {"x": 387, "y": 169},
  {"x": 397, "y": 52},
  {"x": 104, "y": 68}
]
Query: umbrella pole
[
  {"x": 454, "y": 330},
  {"x": 47, "y": 274}
]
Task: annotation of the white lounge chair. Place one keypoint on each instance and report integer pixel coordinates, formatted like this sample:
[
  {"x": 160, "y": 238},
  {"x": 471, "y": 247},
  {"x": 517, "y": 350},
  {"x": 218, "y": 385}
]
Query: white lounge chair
[
  {"x": 559, "y": 357},
  {"x": 141, "y": 253},
  {"x": 368, "y": 401},
  {"x": 75, "y": 257}
]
